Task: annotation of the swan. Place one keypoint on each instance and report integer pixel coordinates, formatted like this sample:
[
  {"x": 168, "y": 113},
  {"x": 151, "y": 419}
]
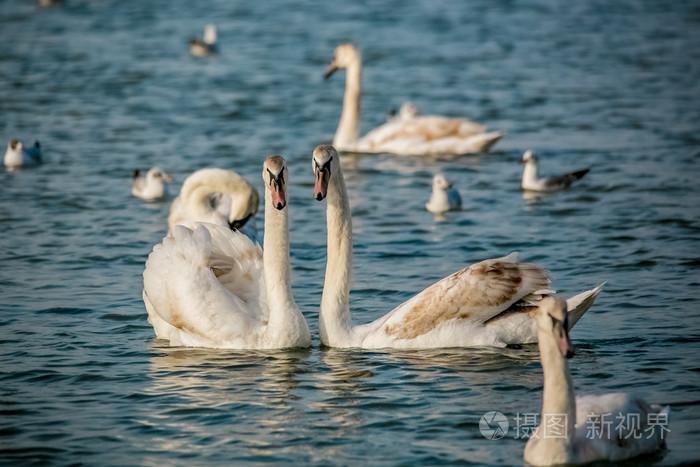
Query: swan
[
  {"x": 216, "y": 196},
  {"x": 488, "y": 303},
  {"x": 582, "y": 434},
  {"x": 545, "y": 184},
  {"x": 213, "y": 287},
  {"x": 17, "y": 154},
  {"x": 413, "y": 135},
  {"x": 443, "y": 198},
  {"x": 151, "y": 185},
  {"x": 206, "y": 46}
]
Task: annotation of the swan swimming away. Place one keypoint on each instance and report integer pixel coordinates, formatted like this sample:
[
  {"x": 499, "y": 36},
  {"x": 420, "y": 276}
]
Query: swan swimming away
[
  {"x": 582, "y": 434},
  {"x": 443, "y": 198},
  {"x": 213, "y": 287},
  {"x": 151, "y": 185},
  {"x": 408, "y": 134},
  {"x": 488, "y": 303},
  {"x": 17, "y": 154},
  {"x": 207, "y": 46},
  {"x": 545, "y": 184},
  {"x": 217, "y": 196}
]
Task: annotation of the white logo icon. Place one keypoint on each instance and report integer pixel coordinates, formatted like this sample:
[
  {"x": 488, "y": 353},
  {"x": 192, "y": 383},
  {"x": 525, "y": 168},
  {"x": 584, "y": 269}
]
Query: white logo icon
[{"x": 493, "y": 425}]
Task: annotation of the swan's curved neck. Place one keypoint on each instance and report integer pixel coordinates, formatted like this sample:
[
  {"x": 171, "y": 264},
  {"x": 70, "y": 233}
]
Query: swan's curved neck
[
  {"x": 277, "y": 266},
  {"x": 530, "y": 172},
  {"x": 335, "y": 323},
  {"x": 348, "y": 131},
  {"x": 559, "y": 401}
]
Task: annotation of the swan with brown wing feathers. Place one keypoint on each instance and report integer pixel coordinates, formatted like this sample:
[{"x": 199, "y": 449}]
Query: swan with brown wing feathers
[
  {"x": 412, "y": 134},
  {"x": 488, "y": 303}
]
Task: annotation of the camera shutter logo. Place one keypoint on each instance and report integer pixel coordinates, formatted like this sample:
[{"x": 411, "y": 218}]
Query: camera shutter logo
[{"x": 493, "y": 425}]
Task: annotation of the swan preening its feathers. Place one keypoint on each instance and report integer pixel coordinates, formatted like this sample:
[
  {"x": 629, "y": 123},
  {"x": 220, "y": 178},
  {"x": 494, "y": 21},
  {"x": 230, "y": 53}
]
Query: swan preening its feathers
[
  {"x": 214, "y": 287},
  {"x": 545, "y": 184},
  {"x": 489, "y": 303},
  {"x": 151, "y": 185},
  {"x": 17, "y": 154},
  {"x": 576, "y": 416},
  {"x": 408, "y": 134},
  {"x": 217, "y": 196}
]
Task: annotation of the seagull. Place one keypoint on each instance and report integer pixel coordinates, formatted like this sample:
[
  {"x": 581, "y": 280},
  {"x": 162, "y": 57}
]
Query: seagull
[
  {"x": 206, "y": 46},
  {"x": 545, "y": 184}
]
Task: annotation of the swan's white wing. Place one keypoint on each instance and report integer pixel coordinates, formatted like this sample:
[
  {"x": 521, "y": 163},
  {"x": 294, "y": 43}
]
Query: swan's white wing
[
  {"x": 181, "y": 284},
  {"x": 475, "y": 294},
  {"x": 427, "y": 128}
]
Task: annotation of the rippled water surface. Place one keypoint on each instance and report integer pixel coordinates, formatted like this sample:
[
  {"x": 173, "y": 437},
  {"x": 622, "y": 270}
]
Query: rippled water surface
[{"x": 109, "y": 86}]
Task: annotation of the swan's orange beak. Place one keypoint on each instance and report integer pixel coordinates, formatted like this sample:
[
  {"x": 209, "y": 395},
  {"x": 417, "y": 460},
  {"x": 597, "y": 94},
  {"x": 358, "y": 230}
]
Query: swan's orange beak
[
  {"x": 322, "y": 174},
  {"x": 279, "y": 198}
]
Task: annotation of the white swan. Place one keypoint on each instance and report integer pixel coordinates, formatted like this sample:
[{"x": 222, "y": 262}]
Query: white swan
[
  {"x": 488, "y": 303},
  {"x": 218, "y": 196},
  {"x": 576, "y": 430},
  {"x": 414, "y": 135},
  {"x": 213, "y": 287},
  {"x": 206, "y": 46},
  {"x": 443, "y": 198},
  {"x": 17, "y": 154},
  {"x": 151, "y": 185},
  {"x": 545, "y": 184}
]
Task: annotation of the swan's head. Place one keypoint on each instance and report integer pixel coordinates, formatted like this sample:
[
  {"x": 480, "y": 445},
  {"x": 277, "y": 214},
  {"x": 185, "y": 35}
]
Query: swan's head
[
  {"x": 344, "y": 56},
  {"x": 527, "y": 157},
  {"x": 324, "y": 162},
  {"x": 157, "y": 175},
  {"x": 218, "y": 196},
  {"x": 275, "y": 177},
  {"x": 210, "y": 34},
  {"x": 439, "y": 183},
  {"x": 553, "y": 319}
]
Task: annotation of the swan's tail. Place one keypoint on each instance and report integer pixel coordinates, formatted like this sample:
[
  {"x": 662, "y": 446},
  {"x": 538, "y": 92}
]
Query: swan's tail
[
  {"x": 579, "y": 304},
  {"x": 485, "y": 141}
]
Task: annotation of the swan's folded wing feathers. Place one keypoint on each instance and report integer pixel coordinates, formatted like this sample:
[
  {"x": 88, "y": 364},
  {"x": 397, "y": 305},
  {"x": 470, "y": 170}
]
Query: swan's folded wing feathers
[
  {"x": 183, "y": 290},
  {"x": 476, "y": 294},
  {"x": 237, "y": 262}
]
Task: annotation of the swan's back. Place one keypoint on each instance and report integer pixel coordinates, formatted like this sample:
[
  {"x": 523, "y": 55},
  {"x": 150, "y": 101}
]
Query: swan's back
[
  {"x": 617, "y": 426},
  {"x": 205, "y": 287}
]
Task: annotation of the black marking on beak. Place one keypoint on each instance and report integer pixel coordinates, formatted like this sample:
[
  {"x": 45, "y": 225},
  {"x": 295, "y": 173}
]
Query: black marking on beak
[
  {"x": 279, "y": 179},
  {"x": 14, "y": 143},
  {"x": 330, "y": 71}
]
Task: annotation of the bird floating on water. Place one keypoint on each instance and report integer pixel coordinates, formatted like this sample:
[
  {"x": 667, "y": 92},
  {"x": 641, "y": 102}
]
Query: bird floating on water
[
  {"x": 207, "y": 46},
  {"x": 574, "y": 430},
  {"x": 151, "y": 185},
  {"x": 213, "y": 287},
  {"x": 409, "y": 134},
  {"x": 17, "y": 154},
  {"x": 545, "y": 184},
  {"x": 443, "y": 198},
  {"x": 489, "y": 303}
]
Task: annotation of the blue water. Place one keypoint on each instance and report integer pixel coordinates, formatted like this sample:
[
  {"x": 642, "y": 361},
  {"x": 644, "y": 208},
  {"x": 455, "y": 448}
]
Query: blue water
[{"x": 109, "y": 86}]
